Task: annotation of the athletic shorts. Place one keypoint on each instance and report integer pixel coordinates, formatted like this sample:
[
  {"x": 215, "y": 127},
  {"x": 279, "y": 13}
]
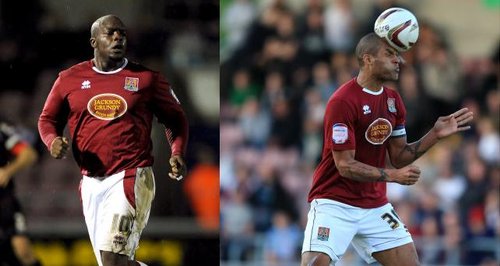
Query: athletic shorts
[
  {"x": 116, "y": 209},
  {"x": 12, "y": 223},
  {"x": 332, "y": 226},
  {"x": 12, "y": 220}
]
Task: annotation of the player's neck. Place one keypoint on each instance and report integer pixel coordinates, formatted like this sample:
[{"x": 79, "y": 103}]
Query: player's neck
[
  {"x": 108, "y": 65},
  {"x": 368, "y": 81}
]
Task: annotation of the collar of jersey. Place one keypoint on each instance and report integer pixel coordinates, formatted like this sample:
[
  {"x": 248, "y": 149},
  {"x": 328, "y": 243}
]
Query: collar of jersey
[
  {"x": 113, "y": 71},
  {"x": 374, "y": 92}
]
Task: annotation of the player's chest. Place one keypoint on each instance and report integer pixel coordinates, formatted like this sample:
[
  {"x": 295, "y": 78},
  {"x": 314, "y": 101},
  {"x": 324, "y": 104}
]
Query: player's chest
[
  {"x": 377, "y": 119},
  {"x": 107, "y": 97}
]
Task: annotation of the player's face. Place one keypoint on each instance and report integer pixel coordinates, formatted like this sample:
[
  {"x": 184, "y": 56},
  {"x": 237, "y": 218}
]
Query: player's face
[
  {"x": 386, "y": 64},
  {"x": 111, "y": 40}
]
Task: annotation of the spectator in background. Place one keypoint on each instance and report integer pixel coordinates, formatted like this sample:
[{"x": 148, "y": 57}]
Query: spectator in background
[
  {"x": 452, "y": 239},
  {"x": 268, "y": 196},
  {"x": 474, "y": 195},
  {"x": 15, "y": 155},
  {"x": 410, "y": 90},
  {"x": 242, "y": 88},
  {"x": 202, "y": 189},
  {"x": 439, "y": 70},
  {"x": 255, "y": 123},
  {"x": 282, "y": 240},
  {"x": 340, "y": 26},
  {"x": 430, "y": 253},
  {"x": 448, "y": 185},
  {"x": 489, "y": 141},
  {"x": 236, "y": 20},
  {"x": 311, "y": 34},
  {"x": 237, "y": 228}
]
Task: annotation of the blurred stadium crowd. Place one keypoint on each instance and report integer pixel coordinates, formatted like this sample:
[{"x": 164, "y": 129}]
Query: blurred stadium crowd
[
  {"x": 39, "y": 38},
  {"x": 280, "y": 65}
]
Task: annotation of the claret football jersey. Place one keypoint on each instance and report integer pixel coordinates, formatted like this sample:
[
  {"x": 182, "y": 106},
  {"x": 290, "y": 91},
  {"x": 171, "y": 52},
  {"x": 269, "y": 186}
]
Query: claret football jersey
[
  {"x": 361, "y": 120},
  {"x": 109, "y": 116}
]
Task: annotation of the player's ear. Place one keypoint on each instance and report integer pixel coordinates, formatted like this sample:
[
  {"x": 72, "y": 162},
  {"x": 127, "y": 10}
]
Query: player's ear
[
  {"x": 92, "y": 42},
  {"x": 367, "y": 59}
]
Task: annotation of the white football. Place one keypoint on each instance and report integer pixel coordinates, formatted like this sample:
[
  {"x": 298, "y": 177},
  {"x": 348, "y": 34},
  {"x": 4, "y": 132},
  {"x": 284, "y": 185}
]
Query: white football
[{"x": 399, "y": 27}]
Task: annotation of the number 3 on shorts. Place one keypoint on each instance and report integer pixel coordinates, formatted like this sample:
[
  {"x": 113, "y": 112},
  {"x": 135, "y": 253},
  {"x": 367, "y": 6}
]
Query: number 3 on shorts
[{"x": 391, "y": 219}]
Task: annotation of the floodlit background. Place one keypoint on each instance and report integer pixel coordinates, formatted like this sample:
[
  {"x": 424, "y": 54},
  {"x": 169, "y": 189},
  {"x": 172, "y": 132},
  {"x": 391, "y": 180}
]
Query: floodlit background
[
  {"x": 38, "y": 38},
  {"x": 280, "y": 62}
]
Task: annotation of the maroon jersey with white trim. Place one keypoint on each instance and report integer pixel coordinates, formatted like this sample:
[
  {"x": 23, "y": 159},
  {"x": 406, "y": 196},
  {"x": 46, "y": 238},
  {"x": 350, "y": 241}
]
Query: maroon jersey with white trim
[
  {"x": 361, "y": 120},
  {"x": 109, "y": 116}
]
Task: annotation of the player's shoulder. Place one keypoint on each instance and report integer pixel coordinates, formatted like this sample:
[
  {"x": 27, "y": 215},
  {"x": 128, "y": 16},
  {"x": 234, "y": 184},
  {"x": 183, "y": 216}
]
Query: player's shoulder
[
  {"x": 138, "y": 67},
  {"x": 346, "y": 91},
  {"x": 77, "y": 68}
]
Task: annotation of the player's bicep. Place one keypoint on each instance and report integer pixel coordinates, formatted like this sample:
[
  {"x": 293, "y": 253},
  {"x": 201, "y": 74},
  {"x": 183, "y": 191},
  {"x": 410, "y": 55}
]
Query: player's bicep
[
  {"x": 395, "y": 147},
  {"x": 343, "y": 158}
]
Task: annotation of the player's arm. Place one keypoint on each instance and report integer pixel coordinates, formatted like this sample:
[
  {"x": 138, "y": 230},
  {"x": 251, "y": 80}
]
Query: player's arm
[
  {"x": 169, "y": 112},
  {"x": 403, "y": 153},
  {"x": 24, "y": 157},
  {"x": 351, "y": 168},
  {"x": 53, "y": 118}
]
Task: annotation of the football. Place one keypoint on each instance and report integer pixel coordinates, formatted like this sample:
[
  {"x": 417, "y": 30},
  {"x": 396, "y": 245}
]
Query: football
[{"x": 399, "y": 27}]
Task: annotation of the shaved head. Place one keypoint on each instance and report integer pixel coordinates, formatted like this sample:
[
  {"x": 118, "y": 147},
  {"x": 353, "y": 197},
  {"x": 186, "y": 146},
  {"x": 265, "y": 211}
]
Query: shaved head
[
  {"x": 369, "y": 44},
  {"x": 96, "y": 25}
]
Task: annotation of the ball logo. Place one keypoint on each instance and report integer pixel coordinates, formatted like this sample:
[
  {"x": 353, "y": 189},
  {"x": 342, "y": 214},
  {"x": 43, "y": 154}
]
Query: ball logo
[
  {"x": 378, "y": 131},
  {"x": 107, "y": 106}
]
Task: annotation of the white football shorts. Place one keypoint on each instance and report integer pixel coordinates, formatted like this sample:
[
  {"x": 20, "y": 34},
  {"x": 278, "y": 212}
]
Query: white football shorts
[
  {"x": 332, "y": 226},
  {"x": 116, "y": 209}
]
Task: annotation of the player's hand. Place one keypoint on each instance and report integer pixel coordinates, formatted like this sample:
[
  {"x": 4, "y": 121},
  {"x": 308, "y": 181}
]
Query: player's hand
[
  {"x": 448, "y": 125},
  {"x": 407, "y": 175},
  {"x": 59, "y": 147},
  {"x": 178, "y": 167},
  {"x": 4, "y": 177}
]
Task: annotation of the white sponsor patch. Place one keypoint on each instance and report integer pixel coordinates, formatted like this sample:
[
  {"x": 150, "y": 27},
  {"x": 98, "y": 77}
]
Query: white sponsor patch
[{"x": 339, "y": 133}]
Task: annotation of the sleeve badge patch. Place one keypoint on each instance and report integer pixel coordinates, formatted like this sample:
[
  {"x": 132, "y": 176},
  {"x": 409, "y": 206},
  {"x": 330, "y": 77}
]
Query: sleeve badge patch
[{"x": 339, "y": 133}]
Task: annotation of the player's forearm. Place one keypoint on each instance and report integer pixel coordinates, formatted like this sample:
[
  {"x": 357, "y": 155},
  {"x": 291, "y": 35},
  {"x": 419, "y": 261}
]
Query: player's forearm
[
  {"x": 359, "y": 171},
  {"x": 178, "y": 136},
  {"x": 47, "y": 131},
  {"x": 412, "y": 151},
  {"x": 24, "y": 159}
]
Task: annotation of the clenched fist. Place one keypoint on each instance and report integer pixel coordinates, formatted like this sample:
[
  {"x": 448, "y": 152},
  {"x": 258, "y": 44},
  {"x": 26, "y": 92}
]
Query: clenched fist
[{"x": 59, "y": 147}]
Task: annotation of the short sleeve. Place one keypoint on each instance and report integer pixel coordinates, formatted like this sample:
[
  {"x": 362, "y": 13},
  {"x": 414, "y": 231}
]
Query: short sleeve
[{"x": 339, "y": 126}]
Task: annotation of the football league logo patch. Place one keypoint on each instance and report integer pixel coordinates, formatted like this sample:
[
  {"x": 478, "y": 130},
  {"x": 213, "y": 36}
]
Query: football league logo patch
[
  {"x": 131, "y": 84},
  {"x": 339, "y": 133},
  {"x": 323, "y": 233}
]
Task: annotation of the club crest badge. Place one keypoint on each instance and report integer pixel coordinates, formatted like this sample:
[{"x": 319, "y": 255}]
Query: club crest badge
[
  {"x": 323, "y": 233},
  {"x": 131, "y": 84},
  {"x": 391, "y": 104}
]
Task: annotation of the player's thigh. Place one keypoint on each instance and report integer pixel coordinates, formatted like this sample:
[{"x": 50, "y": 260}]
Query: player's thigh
[
  {"x": 123, "y": 210},
  {"x": 22, "y": 248},
  {"x": 21, "y": 245},
  {"x": 311, "y": 258},
  {"x": 113, "y": 259},
  {"x": 330, "y": 228},
  {"x": 404, "y": 255},
  {"x": 380, "y": 230}
]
